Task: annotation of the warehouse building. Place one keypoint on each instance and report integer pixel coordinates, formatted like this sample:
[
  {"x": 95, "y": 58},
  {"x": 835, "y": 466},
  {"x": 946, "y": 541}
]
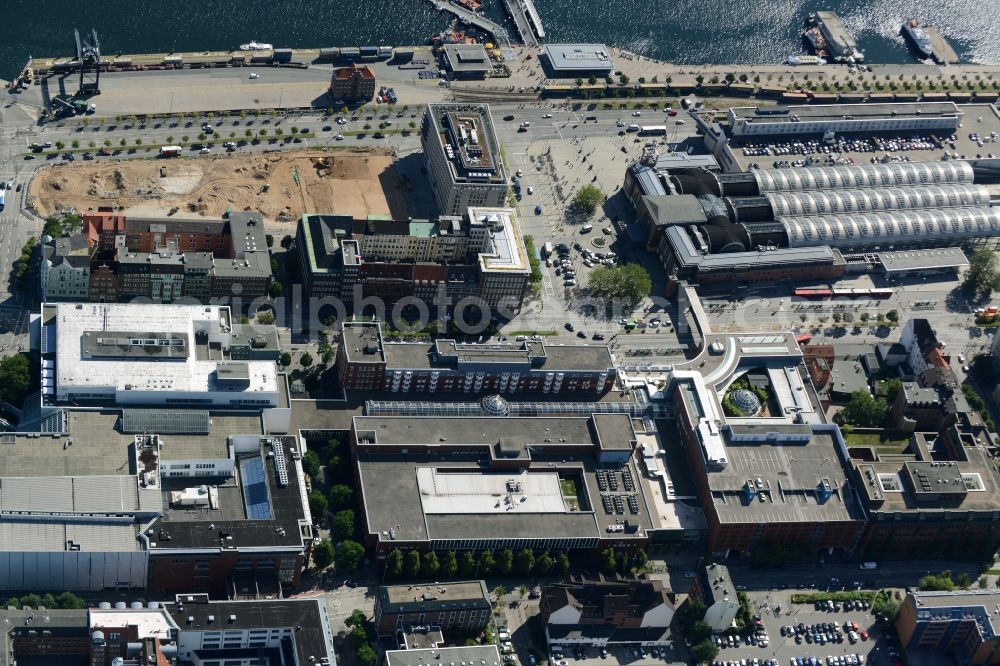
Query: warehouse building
[{"x": 770, "y": 121}]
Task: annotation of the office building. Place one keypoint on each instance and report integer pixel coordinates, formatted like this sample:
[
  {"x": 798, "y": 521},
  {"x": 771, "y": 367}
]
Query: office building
[
  {"x": 105, "y": 354},
  {"x": 479, "y": 260},
  {"x": 119, "y": 258},
  {"x": 801, "y": 501},
  {"x": 481, "y": 655},
  {"x": 714, "y": 587},
  {"x": 606, "y": 612},
  {"x": 478, "y": 482},
  {"x": 366, "y": 362},
  {"x": 578, "y": 60},
  {"x": 354, "y": 83},
  {"x": 462, "y": 606},
  {"x": 961, "y": 626},
  {"x": 463, "y": 157}
]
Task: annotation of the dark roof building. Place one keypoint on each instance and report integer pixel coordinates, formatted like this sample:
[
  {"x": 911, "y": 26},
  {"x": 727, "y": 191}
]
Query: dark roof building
[
  {"x": 499, "y": 482},
  {"x": 462, "y": 605},
  {"x": 714, "y": 586},
  {"x": 365, "y": 361},
  {"x": 962, "y": 625},
  {"x": 467, "y": 60},
  {"x": 606, "y": 611}
]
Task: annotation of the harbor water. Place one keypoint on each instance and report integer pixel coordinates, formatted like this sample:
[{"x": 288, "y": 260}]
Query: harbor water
[{"x": 680, "y": 31}]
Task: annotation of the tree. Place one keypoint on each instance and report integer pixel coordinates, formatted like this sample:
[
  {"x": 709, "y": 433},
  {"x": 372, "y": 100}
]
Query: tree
[
  {"x": 963, "y": 580},
  {"x": 700, "y": 631},
  {"x": 275, "y": 290},
  {"x": 310, "y": 463},
  {"x": 306, "y": 359},
  {"x": 60, "y": 145},
  {"x": 466, "y": 565},
  {"x": 543, "y": 564},
  {"x": 941, "y": 582},
  {"x": 561, "y": 566},
  {"x": 983, "y": 276},
  {"x": 524, "y": 564},
  {"x": 287, "y": 241},
  {"x": 705, "y": 651},
  {"x": 317, "y": 504},
  {"x": 487, "y": 563},
  {"x": 348, "y": 556},
  {"x": 365, "y": 655},
  {"x": 286, "y": 359},
  {"x": 265, "y": 317},
  {"x": 864, "y": 410},
  {"x": 76, "y": 143},
  {"x": 587, "y": 199},
  {"x": 411, "y": 564},
  {"x": 499, "y": 592},
  {"x": 629, "y": 283},
  {"x": 449, "y": 564},
  {"x": 15, "y": 379},
  {"x": 341, "y": 496},
  {"x": 892, "y": 315},
  {"x": 505, "y": 562},
  {"x": 608, "y": 561},
  {"x": 342, "y": 523},
  {"x": 326, "y": 352},
  {"x": 323, "y": 554},
  {"x": 430, "y": 566},
  {"x": 394, "y": 564}
]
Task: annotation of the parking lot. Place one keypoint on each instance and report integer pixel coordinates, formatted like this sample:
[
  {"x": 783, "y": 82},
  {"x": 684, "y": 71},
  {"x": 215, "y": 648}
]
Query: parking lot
[{"x": 821, "y": 635}]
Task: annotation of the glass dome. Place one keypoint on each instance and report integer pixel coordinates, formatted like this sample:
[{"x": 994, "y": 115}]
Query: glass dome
[
  {"x": 494, "y": 405},
  {"x": 747, "y": 401}
]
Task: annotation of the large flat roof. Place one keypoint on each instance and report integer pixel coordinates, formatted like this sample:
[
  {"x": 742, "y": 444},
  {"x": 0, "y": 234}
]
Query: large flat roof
[
  {"x": 76, "y": 369},
  {"x": 464, "y": 134},
  {"x": 477, "y": 655},
  {"x": 504, "y": 251},
  {"x": 917, "y": 260},
  {"x": 467, "y": 58},
  {"x": 811, "y": 112},
  {"x": 579, "y": 57}
]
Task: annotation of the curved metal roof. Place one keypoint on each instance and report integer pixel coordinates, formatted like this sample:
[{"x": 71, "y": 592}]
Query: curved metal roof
[
  {"x": 825, "y": 202},
  {"x": 863, "y": 176},
  {"x": 892, "y": 227}
]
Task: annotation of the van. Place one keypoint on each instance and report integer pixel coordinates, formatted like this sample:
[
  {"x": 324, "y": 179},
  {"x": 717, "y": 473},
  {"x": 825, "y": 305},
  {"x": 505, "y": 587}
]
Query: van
[
  {"x": 869, "y": 565},
  {"x": 632, "y": 128}
]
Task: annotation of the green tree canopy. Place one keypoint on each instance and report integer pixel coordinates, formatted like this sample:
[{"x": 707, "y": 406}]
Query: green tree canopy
[
  {"x": 310, "y": 463},
  {"x": 348, "y": 556},
  {"x": 505, "y": 562},
  {"x": 983, "y": 276},
  {"x": 466, "y": 565},
  {"x": 629, "y": 283},
  {"x": 430, "y": 566},
  {"x": 342, "y": 523},
  {"x": 394, "y": 564},
  {"x": 941, "y": 582},
  {"x": 449, "y": 564},
  {"x": 524, "y": 563},
  {"x": 587, "y": 199},
  {"x": 341, "y": 496},
  {"x": 864, "y": 410},
  {"x": 411, "y": 564},
  {"x": 317, "y": 504},
  {"x": 561, "y": 565},
  {"x": 323, "y": 554},
  {"x": 487, "y": 563},
  {"x": 15, "y": 379},
  {"x": 543, "y": 564},
  {"x": 705, "y": 651}
]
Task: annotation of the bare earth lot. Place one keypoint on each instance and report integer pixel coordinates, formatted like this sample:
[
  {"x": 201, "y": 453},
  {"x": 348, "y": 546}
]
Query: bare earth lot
[{"x": 282, "y": 186}]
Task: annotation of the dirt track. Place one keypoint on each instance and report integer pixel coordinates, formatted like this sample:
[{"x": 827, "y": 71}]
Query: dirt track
[{"x": 358, "y": 184}]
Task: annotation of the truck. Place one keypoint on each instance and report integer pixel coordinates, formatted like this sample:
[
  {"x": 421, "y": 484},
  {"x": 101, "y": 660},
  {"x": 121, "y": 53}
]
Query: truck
[
  {"x": 547, "y": 249},
  {"x": 170, "y": 151},
  {"x": 3, "y": 195}
]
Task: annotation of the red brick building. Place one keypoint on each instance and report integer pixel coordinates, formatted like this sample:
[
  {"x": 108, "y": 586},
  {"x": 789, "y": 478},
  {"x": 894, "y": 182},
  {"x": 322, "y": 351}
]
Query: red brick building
[{"x": 353, "y": 83}]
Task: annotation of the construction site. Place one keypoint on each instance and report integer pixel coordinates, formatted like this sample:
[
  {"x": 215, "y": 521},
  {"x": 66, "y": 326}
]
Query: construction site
[{"x": 281, "y": 186}]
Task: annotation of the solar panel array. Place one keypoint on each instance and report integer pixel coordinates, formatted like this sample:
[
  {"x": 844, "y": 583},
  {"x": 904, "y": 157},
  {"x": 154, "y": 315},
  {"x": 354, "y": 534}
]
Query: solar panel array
[
  {"x": 255, "y": 494},
  {"x": 166, "y": 421}
]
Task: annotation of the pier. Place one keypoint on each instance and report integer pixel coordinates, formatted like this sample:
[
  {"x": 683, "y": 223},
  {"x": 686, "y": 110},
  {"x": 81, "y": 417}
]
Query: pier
[
  {"x": 471, "y": 18},
  {"x": 841, "y": 42},
  {"x": 527, "y": 20},
  {"x": 943, "y": 53}
]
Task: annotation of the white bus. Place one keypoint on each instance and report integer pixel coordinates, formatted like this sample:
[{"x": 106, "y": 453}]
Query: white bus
[{"x": 652, "y": 130}]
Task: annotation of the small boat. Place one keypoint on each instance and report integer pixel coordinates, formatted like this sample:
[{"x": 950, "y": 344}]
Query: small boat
[
  {"x": 255, "y": 46},
  {"x": 796, "y": 60},
  {"x": 919, "y": 38}
]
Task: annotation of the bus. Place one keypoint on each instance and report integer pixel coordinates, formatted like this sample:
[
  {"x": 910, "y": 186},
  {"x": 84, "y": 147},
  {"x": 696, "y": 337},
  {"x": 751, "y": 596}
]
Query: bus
[
  {"x": 652, "y": 130},
  {"x": 3, "y": 195}
]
